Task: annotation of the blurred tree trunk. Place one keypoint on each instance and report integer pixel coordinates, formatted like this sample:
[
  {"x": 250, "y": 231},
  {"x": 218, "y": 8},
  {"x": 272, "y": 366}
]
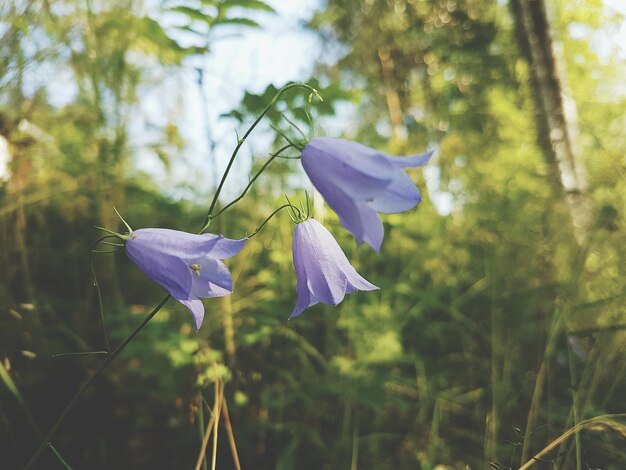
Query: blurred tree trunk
[
  {"x": 557, "y": 132},
  {"x": 555, "y": 111},
  {"x": 393, "y": 97}
]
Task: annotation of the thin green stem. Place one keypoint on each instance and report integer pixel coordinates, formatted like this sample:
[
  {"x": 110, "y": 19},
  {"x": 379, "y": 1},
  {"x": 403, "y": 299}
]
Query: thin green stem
[
  {"x": 295, "y": 126},
  {"x": 61, "y": 459},
  {"x": 115, "y": 234},
  {"x": 107, "y": 252},
  {"x": 241, "y": 141},
  {"x": 575, "y": 410},
  {"x": 46, "y": 440},
  {"x": 99, "y": 295},
  {"x": 82, "y": 353},
  {"x": 113, "y": 244},
  {"x": 268, "y": 219},
  {"x": 297, "y": 145},
  {"x": 254, "y": 178}
]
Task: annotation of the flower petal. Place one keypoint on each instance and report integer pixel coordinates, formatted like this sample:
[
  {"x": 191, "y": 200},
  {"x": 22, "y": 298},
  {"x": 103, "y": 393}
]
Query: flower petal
[
  {"x": 227, "y": 248},
  {"x": 167, "y": 270},
  {"x": 196, "y": 307},
  {"x": 212, "y": 278},
  {"x": 305, "y": 299},
  {"x": 357, "y": 217},
  {"x": 401, "y": 195},
  {"x": 345, "y": 207},
  {"x": 358, "y": 282},
  {"x": 409, "y": 162},
  {"x": 324, "y": 280},
  {"x": 175, "y": 242},
  {"x": 359, "y": 171},
  {"x": 354, "y": 279},
  {"x": 373, "y": 231}
]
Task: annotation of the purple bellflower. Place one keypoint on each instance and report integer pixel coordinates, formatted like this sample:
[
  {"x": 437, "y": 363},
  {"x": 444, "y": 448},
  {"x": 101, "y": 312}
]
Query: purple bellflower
[
  {"x": 322, "y": 269},
  {"x": 189, "y": 266},
  {"x": 358, "y": 181}
]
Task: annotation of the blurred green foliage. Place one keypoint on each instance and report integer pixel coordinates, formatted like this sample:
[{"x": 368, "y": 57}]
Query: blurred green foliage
[{"x": 494, "y": 331}]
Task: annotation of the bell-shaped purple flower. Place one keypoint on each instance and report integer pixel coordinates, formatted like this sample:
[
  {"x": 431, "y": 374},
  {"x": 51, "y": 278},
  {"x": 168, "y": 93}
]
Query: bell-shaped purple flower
[
  {"x": 322, "y": 269},
  {"x": 189, "y": 266},
  {"x": 358, "y": 181}
]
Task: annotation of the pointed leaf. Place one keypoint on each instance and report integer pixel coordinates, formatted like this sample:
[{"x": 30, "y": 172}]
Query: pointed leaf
[
  {"x": 238, "y": 21},
  {"x": 247, "y": 4},
  {"x": 10, "y": 384},
  {"x": 192, "y": 13}
]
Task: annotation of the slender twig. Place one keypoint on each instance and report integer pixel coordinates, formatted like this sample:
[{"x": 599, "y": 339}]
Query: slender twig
[
  {"x": 231, "y": 436},
  {"x": 85, "y": 353},
  {"x": 241, "y": 141},
  {"x": 201, "y": 427},
  {"x": 210, "y": 428},
  {"x": 575, "y": 406},
  {"x": 219, "y": 397},
  {"x": 254, "y": 178},
  {"x": 598, "y": 421},
  {"x": 46, "y": 440},
  {"x": 61, "y": 459},
  {"x": 207, "y": 406},
  {"x": 205, "y": 441},
  {"x": 554, "y": 331}
]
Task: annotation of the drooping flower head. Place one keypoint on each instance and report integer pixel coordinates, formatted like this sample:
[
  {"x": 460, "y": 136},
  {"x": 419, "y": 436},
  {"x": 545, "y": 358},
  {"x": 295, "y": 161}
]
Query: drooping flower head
[
  {"x": 357, "y": 182},
  {"x": 189, "y": 266},
  {"x": 322, "y": 269}
]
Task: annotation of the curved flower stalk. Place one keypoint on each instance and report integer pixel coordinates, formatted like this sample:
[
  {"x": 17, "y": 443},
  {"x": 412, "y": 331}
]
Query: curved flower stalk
[
  {"x": 322, "y": 269},
  {"x": 188, "y": 266},
  {"x": 358, "y": 181}
]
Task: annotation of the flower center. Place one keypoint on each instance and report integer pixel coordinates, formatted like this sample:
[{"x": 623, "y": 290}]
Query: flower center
[{"x": 196, "y": 268}]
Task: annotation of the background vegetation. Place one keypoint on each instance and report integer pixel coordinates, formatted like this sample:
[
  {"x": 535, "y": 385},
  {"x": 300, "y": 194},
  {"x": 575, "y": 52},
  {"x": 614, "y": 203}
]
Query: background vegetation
[{"x": 500, "y": 320}]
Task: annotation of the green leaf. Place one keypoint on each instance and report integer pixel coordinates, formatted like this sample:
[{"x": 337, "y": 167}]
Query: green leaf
[
  {"x": 192, "y": 13},
  {"x": 235, "y": 114},
  {"x": 247, "y": 4},
  {"x": 238, "y": 21},
  {"x": 154, "y": 40},
  {"x": 189, "y": 29},
  {"x": 153, "y": 32}
]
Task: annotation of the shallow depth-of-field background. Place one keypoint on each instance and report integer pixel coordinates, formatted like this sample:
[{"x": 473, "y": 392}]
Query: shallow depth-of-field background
[{"x": 500, "y": 322}]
